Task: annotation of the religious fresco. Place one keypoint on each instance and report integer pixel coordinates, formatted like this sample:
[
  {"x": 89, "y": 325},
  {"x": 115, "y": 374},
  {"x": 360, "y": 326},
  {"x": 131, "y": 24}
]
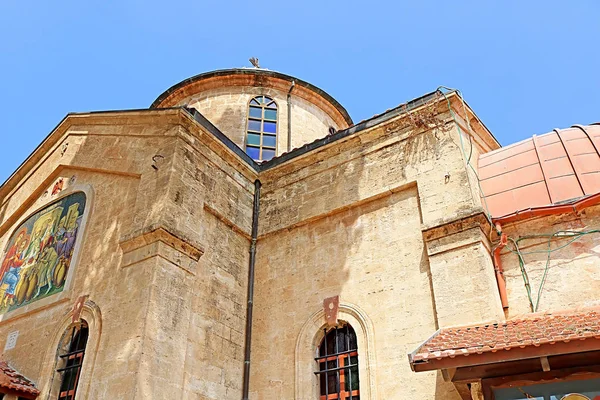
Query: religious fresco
[{"x": 39, "y": 252}]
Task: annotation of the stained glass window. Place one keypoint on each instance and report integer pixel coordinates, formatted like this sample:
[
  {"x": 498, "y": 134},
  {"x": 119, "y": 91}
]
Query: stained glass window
[
  {"x": 338, "y": 364},
  {"x": 261, "y": 133}
]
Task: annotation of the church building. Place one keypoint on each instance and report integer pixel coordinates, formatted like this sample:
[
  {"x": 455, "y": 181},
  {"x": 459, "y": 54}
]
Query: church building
[{"x": 244, "y": 238}]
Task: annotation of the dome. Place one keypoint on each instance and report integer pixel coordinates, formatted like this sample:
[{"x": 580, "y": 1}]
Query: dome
[
  {"x": 264, "y": 112},
  {"x": 544, "y": 171}
]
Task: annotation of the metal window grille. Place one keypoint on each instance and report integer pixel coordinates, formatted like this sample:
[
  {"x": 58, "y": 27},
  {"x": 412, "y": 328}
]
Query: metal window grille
[
  {"x": 72, "y": 362},
  {"x": 338, "y": 365}
]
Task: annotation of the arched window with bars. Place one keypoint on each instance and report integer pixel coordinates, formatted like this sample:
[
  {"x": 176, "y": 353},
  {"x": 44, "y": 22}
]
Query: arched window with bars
[
  {"x": 261, "y": 133},
  {"x": 70, "y": 360},
  {"x": 338, "y": 364}
]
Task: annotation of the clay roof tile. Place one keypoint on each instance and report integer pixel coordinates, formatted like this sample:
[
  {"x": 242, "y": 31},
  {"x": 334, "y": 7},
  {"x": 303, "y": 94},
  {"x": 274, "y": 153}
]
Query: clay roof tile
[
  {"x": 13, "y": 380},
  {"x": 536, "y": 330}
]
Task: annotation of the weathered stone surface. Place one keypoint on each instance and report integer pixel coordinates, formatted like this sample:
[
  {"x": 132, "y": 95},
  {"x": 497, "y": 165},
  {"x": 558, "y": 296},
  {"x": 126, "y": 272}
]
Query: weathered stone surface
[{"x": 389, "y": 219}]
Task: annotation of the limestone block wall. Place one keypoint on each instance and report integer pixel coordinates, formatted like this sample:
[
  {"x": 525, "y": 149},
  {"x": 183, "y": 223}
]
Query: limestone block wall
[
  {"x": 163, "y": 260},
  {"x": 349, "y": 220},
  {"x": 462, "y": 272},
  {"x": 474, "y": 139},
  {"x": 93, "y": 158},
  {"x": 227, "y": 109},
  {"x": 216, "y": 200},
  {"x": 573, "y": 272}
]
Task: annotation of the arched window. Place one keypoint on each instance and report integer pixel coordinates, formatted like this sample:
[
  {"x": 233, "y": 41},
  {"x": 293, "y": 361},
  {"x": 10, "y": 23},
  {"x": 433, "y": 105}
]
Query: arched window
[
  {"x": 71, "y": 360},
  {"x": 338, "y": 364},
  {"x": 261, "y": 138}
]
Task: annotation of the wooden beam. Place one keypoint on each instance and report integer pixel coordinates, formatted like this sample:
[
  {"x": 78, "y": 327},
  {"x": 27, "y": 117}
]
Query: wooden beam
[
  {"x": 464, "y": 390},
  {"x": 545, "y": 364}
]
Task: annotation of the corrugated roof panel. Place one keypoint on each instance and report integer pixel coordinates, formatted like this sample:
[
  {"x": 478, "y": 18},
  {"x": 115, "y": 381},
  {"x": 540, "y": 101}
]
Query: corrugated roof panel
[
  {"x": 553, "y": 168},
  {"x": 547, "y": 139},
  {"x": 551, "y": 151},
  {"x": 505, "y": 152},
  {"x": 501, "y": 203},
  {"x": 557, "y": 167},
  {"x": 534, "y": 195},
  {"x": 564, "y": 188},
  {"x": 591, "y": 182},
  {"x": 509, "y": 180}
]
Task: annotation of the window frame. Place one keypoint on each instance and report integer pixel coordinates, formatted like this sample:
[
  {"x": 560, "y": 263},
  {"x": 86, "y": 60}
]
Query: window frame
[
  {"x": 66, "y": 354},
  {"x": 263, "y": 106},
  {"x": 342, "y": 369}
]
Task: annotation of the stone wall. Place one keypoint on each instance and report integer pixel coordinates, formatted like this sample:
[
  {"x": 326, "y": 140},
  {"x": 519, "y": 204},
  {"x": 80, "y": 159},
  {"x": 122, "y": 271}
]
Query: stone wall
[
  {"x": 573, "y": 273},
  {"x": 353, "y": 219},
  {"x": 163, "y": 273},
  {"x": 386, "y": 218},
  {"x": 227, "y": 109}
]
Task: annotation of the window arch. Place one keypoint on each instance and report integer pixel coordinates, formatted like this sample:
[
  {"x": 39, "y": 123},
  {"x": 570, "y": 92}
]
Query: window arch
[
  {"x": 261, "y": 132},
  {"x": 70, "y": 359},
  {"x": 338, "y": 364}
]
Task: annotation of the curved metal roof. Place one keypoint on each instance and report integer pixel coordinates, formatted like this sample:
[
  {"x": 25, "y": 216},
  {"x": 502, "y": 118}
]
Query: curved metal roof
[
  {"x": 548, "y": 170},
  {"x": 254, "y": 71}
]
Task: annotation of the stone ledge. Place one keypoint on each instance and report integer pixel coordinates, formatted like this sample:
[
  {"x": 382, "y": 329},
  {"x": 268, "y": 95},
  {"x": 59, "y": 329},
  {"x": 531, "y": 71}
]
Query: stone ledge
[
  {"x": 457, "y": 240},
  {"x": 157, "y": 241},
  {"x": 441, "y": 228}
]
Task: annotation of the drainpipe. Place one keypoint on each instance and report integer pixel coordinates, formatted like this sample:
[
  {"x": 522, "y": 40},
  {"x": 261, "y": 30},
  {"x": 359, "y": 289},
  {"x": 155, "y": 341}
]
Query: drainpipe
[
  {"x": 498, "y": 267},
  {"x": 289, "y": 112},
  {"x": 251, "y": 262}
]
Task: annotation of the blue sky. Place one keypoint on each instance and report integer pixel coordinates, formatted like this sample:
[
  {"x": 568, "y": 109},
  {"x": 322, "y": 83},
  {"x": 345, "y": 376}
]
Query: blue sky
[{"x": 525, "y": 67}]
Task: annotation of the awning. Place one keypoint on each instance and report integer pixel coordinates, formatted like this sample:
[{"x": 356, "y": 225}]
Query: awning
[{"x": 534, "y": 336}]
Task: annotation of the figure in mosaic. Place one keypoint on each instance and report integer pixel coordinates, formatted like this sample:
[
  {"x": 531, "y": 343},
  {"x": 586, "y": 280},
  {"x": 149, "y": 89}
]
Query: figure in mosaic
[{"x": 39, "y": 253}]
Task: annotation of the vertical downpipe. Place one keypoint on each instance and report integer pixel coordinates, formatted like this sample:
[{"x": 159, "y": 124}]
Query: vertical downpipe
[
  {"x": 251, "y": 263},
  {"x": 289, "y": 115}
]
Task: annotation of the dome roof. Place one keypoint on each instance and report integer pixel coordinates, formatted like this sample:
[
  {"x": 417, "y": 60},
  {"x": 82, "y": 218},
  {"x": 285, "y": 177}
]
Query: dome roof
[
  {"x": 553, "y": 169},
  {"x": 253, "y": 77}
]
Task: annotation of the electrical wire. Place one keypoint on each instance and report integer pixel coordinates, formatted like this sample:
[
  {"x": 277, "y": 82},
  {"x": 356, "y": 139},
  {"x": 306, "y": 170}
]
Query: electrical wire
[
  {"x": 462, "y": 146},
  {"x": 576, "y": 235},
  {"x": 520, "y": 254}
]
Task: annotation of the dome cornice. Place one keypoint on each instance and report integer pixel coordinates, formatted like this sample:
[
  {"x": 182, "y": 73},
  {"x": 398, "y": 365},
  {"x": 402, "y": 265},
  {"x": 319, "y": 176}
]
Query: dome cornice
[{"x": 256, "y": 78}]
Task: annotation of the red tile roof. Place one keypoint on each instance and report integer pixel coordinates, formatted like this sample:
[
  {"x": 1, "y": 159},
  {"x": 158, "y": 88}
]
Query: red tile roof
[
  {"x": 546, "y": 170},
  {"x": 14, "y": 381},
  {"x": 534, "y": 331}
]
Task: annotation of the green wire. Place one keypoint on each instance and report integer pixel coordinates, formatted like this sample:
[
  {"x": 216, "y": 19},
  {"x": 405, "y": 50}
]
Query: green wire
[
  {"x": 517, "y": 250},
  {"x": 524, "y": 274},
  {"x": 576, "y": 236},
  {"x": 462, "y": 146}
]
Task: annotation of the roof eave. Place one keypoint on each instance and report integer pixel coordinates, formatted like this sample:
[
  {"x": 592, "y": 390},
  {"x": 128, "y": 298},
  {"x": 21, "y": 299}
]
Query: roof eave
[
  {"x": 513, "y": 354},
  {"x": 253, "y": 71},
  {"x": 553, "y": 209}
]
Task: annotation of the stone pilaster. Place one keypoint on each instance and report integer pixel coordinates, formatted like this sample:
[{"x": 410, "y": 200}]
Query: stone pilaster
[{"x": 462, "y": 271}]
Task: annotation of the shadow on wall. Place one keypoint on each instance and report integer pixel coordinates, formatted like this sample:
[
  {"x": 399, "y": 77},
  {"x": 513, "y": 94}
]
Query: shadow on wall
[
  {"x": 232, "y": 122},
  {"x": 96, "y": 271},
  {"x": 326, "y": 240},
  {"x": 298, "y": 267}
]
